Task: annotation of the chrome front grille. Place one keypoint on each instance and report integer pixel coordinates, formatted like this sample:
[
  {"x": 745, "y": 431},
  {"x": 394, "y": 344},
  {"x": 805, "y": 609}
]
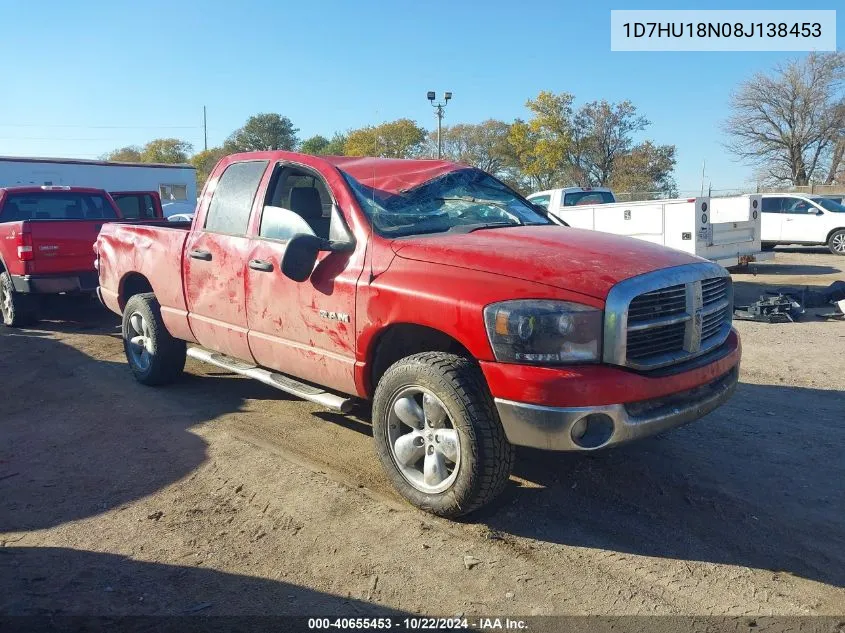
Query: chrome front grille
[{"x": 668, "y": 316}]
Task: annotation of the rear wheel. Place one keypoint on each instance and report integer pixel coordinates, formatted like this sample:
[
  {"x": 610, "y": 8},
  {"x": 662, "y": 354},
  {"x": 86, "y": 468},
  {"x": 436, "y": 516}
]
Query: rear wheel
[
  {"x": 16, "y": 309},
  {"x": 438, "y": 434},
  {"x": 836, "y": 243},
  {"x": 155, "y": 357}
]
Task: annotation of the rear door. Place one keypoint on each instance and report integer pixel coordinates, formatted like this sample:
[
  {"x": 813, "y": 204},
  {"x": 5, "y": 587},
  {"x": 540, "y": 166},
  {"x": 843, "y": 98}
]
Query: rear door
[
  {"x": 216, "y": 254},
  {"x": 772, "y": 218}
]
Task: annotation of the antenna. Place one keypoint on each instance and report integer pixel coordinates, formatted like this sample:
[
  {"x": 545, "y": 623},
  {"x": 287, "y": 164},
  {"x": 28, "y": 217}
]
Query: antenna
[{"x": 204, "y": 130}]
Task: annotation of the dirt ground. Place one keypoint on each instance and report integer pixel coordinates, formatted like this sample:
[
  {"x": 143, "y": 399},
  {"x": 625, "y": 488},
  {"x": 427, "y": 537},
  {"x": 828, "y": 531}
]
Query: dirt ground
[{"x": 219, "y": 495}]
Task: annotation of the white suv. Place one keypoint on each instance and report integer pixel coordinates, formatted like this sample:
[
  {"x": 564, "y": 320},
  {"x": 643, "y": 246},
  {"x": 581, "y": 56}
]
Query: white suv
[{"x": 798, "y": 219}]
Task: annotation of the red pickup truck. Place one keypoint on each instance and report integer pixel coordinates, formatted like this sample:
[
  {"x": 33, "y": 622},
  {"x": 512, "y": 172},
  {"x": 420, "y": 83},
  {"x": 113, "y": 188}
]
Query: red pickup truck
[
  {"x": 471, "y": 320},
  {"x": 46, "y": 236}
]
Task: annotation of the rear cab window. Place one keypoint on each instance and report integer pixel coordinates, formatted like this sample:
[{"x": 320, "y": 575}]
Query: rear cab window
[
  {"x": 231, "y": 202},
  {"x": 136, "y": 206},
  {"x": 772, "y": 205},
  {"x": 577, "y": 198},
  {"x": 57, "y": 205}
]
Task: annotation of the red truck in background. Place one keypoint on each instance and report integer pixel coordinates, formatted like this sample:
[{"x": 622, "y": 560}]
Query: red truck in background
[
  {"x": 472, "y": 321},
  {"x": 46, "y": 239}
]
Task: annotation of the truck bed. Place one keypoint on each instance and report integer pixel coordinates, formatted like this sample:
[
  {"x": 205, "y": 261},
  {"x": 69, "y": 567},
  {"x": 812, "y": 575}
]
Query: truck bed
[{"x": 152, "y": 250}]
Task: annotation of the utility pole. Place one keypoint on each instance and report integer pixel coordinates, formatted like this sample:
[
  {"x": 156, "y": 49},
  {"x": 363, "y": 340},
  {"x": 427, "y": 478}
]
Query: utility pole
[
  {"x": 204, "y": 130},
  {"x": 439, "y": 113}
]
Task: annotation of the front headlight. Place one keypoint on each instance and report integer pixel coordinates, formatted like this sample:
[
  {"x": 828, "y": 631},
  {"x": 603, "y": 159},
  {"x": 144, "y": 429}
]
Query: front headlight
[{"x": 544, "y": 332}]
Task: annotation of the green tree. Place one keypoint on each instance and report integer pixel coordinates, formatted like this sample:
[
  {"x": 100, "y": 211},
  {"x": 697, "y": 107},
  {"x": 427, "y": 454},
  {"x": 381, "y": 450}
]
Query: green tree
[
  {"x": 204, "y": 162},
  {"x": 402, "y": 138},
  {"x": 315, "y": 145},
  {"x": 128, "y": 154},
  {"x": 262, "y": 132},
  {"x": 166, "y": 150},
  {"x": 337, "y": 145}
]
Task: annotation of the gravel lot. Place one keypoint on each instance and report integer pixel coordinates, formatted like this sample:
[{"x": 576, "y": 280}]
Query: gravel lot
[{"x": 219, "y": 495}]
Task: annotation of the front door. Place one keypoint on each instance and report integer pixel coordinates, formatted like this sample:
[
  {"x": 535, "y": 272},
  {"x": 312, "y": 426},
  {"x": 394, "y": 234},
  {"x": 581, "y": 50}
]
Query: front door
[
  {"x": 305, "y": 329},
  {"x": 216, "y": 259},
  {"x": 803, "y": 222}
]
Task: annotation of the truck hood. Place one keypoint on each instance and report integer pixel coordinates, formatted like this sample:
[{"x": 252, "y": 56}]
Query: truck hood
[{"x": 582, "y": 261}]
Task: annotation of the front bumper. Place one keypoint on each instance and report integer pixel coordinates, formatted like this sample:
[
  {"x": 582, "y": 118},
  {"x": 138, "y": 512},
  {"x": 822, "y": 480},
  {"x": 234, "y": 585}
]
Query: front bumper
[
  {"x": 554, "y": 428},
  {"x": 55, "y": 284}
]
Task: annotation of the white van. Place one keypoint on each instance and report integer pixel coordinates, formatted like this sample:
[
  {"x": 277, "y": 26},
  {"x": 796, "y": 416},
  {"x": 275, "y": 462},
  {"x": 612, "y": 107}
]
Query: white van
[{"x": 792, "y": 218}]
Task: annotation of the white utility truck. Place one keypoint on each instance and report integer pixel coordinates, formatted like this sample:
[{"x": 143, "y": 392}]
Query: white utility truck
[
  {"x": 174, "y": 183},
  {"x": 724, "y": 230}
]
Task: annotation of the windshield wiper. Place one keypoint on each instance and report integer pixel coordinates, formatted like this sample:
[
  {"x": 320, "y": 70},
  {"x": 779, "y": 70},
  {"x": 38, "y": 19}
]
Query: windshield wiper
[{"x": 470, "y": 228}]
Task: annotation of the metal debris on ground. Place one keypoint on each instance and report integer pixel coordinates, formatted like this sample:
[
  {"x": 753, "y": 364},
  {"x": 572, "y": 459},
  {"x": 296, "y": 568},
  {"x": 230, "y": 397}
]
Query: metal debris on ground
[{"x": 770, "y": 309}]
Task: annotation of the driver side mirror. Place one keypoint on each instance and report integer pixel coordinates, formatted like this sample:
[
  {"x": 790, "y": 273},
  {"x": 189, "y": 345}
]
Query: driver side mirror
[
  {"x": 819, "y": 212},
  {"x": 301, "y": 254}
]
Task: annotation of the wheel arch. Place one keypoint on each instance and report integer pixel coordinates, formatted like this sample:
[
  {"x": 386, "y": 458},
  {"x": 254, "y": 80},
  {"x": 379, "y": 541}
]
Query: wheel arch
[
  {"x": 400, "y": 340},
  {"x": 832, "y": 231},
  {"x": 132, "y": 284}
]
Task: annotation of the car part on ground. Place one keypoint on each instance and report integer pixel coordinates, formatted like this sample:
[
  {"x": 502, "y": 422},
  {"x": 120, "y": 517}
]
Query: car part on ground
[{"x": 772, "y": 309}]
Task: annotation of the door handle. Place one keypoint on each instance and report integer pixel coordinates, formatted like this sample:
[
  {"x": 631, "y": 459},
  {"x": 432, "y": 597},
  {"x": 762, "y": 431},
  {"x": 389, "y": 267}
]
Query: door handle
[
  {"x": 203, "y": 255},
  {"x": 261, "y": 265}
]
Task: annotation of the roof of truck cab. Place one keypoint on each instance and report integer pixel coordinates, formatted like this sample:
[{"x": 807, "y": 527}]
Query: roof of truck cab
[
  {"x": 392, "y": 175},
  {"x": 42, "y": 189}
]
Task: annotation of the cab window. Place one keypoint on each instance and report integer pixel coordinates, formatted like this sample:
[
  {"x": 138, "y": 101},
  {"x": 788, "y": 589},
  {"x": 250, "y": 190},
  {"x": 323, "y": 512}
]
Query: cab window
[
  {"x": 773, "y": 205},
  {"x": 298, "y": 201},
  {"x": 231, "y": 203},
  {"x": 541, "y": 201},
  {"x": 799, "y": 206}
]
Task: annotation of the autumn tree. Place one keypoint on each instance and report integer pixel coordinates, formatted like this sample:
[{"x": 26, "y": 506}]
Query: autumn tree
[
  {"x": 483, "y": 145},
  {"x": 647, "y": 167},
  {"x": 166, "y": 150},
  {"x": 262, "y": 132},
  {"x": 128, "y": 154},
  {"x": 402, "y": 138},
  {"x": 602, "y": 133},
  {"x": 204, "y": 162},
  {"x": 788, "y": 123}
]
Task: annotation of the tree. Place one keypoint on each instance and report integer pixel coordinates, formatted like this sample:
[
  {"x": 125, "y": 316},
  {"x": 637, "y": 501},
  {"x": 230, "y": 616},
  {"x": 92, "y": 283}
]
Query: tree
[
  {"x": 336, "y": 146},
  {"x": 402, "y": 138},
  {"x": 166, "y": 150},
  {"x": 263, "y": 132},
  {"x": 647, "y": 167},
  {"x": 315, "y": 145},
  {"x": 788, "y": 122},
  {"x": 128, "y": 154},
  {"x": 483, "y": 145},
  {"x": 602, "y": 134},
  {"x": 204, "y": 162}
]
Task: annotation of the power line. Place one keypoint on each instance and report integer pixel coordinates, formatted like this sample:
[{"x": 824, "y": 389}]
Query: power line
[{"x": 105, "y": 127}]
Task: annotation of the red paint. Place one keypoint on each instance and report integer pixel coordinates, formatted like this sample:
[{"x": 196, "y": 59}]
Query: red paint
[
  {"x": 596, "y": 385},
  {"x": 438, "y": 281}
]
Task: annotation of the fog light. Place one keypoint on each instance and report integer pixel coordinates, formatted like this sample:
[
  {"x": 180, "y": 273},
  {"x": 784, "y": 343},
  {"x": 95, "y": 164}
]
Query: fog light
[{"x": 592, "y": 431}]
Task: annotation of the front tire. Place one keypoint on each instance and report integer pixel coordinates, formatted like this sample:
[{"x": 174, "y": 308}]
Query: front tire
[
  {"x": 836, "y": 243},
  {"x": 16, "y": 309},
  {"x": 155, "y": 357},
  {"x": 438, "y": 435}
]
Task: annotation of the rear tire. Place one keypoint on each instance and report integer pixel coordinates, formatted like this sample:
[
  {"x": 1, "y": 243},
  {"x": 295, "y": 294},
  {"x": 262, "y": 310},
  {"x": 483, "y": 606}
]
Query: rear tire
[
  {"x": 154, "y": 356},
  {"x": 836, "y": 243},
  {"x": 438, "y": 435},
  {"x": 17, "y": 309}
]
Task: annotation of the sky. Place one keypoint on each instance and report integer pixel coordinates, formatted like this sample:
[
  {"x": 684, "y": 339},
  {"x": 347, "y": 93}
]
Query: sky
[{"x": 84, "y": 77}]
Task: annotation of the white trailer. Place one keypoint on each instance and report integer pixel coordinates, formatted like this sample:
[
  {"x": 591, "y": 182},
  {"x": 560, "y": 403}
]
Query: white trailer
[
  {"x": 723, "y": 230},
  {"x": 175, "y": 183}
]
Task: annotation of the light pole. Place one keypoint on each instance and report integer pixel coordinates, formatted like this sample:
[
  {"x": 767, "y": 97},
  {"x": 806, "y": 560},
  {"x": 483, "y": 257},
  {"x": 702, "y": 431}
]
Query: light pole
[{"x": 438, "y": 112}]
